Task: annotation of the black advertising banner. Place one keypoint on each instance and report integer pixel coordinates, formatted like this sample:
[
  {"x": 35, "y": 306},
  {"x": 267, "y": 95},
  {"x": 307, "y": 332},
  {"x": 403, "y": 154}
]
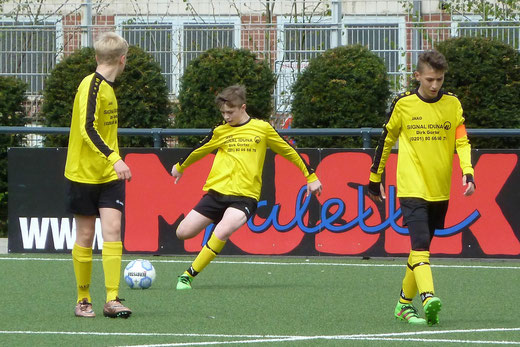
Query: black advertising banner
[{"x": 342, "y": 221}]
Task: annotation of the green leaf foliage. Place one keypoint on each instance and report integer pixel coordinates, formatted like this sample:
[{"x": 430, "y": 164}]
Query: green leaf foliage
[
  {"x": 60, "y": 89},
  {"x": 345, "y": 87},
  {"x": 141, "y": 91},
  {"x": 209, "y": 74},
  {"x": 485, "y": 75},
  {"x": 12, "y": 113}
]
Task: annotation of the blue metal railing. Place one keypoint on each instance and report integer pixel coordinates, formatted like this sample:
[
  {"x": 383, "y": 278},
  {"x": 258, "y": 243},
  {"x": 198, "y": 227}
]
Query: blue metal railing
[{"x": 159, "y": 133}]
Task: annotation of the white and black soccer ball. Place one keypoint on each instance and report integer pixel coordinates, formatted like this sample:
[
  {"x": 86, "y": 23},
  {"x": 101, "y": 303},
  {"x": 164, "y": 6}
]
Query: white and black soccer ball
[{"x": 139, "y": 274}]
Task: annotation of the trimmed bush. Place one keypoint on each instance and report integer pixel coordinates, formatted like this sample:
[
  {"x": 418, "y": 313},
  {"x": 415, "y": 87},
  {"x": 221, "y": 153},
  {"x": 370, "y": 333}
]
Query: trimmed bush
[
  {"x": 345, "y": 87},
  {"x": 141, "y": 91},
  {"x": 209, "y": 74},
  {"x": 485, "y": 75},
  {"x": 12, "y": 113}
]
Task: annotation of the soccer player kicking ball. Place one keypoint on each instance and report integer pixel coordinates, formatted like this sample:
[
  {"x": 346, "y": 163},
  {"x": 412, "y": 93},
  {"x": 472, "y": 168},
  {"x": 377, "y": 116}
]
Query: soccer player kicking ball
[
  {"x": 234, "y": 183},
  {"x": 95, "y": 176},
  {"x": 429, "y": 125}
]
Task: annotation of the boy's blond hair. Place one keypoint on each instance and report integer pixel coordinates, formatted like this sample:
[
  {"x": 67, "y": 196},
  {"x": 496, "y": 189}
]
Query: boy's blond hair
[
  {"x": 233, "y": 96},
  {"x": 110, "y": 47}
]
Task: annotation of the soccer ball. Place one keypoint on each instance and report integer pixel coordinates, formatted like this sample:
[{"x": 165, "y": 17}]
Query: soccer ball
[{"x": 139, "y": 274}]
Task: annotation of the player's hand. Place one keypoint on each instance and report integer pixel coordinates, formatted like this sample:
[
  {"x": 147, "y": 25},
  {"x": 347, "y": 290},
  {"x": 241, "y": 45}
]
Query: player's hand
[
  {"x": 176, "y": 174},
  {"x": 467, "y": 180},
  {"x": 376, "y": 191},
  {"x": 314, "y": 188},
  {"x": 122, "y": 170}
]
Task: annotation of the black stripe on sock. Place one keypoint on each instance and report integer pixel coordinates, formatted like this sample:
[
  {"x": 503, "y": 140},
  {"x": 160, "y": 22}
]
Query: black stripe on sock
[
  {"x": 192, "y": 272},
  {"x": 419, "y": 264},
  {"x": 211, "y": 249}
]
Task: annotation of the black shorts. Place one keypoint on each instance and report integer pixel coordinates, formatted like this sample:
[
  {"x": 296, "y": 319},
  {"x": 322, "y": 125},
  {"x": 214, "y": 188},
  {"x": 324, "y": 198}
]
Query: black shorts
[
  {"x": 213, "y": 205},
  {"x": 86, "y": 199},
  {"x": 431, "y": 212}
]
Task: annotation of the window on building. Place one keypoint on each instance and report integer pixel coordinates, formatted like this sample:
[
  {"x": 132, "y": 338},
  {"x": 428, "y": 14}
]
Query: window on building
[
  {"x": 382, "y": 39},
  {"x": 507, "y": 32},
  {"x": 28, "y": 52},
  {"x": 386, "y": 37},
  {"x": 156, "y": 40},
  {"x": 305, "y": 41},
  {"x": 198, "y": 38},
  {"x": 175, "y": 42}
]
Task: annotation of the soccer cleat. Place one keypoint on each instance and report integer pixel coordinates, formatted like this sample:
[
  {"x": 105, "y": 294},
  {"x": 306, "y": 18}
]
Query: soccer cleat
[
  {"x": 84, "y": 309},
  {"x": 432, "y": 309},
  {"x": 184, "y": 282},
  {"x": 408, "y": 313},
  {"x": 115, "y": 309}
]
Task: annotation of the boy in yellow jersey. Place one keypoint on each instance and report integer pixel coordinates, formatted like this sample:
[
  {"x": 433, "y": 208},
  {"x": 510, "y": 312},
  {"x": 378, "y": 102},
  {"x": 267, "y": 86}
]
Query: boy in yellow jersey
[
  {"x": 95, "y": 176},
  {"x": 234, "y": 183},
  {"x": 429, "y": 125}
]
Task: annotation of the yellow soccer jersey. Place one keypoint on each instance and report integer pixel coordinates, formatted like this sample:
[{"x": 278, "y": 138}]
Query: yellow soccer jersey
[
  {"x": 93, "y": 148},
  {"x": 238, "y": 165},
  {"x": 429, "y": 131}
]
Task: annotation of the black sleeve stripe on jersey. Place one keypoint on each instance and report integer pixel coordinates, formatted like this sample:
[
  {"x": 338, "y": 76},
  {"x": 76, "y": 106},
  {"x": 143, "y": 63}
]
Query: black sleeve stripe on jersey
[
  {"x": 200, "y": 144},
  {"x": 309, "y": 168},
  {"x": 91, "y": 111},
  {"x": 381, "y": 143}
]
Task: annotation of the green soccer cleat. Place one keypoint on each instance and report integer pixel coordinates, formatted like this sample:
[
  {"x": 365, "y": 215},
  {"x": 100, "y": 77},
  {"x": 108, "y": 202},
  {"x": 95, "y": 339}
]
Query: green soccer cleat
[
  {"x": 184, "y": 282},
  {"x": 432, "y": 309},
  {"x": 408, "y": 313}
]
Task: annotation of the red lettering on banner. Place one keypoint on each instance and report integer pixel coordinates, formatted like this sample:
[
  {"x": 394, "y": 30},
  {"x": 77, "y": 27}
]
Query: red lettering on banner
[
  {"x": 152, "y": 193},
  {"x": 288, "y": 181},
  {"x": 335, "y": 171},
  {"x": 492, "y": 230}
]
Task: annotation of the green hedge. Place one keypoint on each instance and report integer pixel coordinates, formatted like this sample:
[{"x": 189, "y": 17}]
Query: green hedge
[
  {"x": 213, "y": 71},
  {"x": 485, "y": 75},
  {"x": 141, "y": 92},
  {"x": 345, "y": 87},
  {"x": 12, "y": 113}
]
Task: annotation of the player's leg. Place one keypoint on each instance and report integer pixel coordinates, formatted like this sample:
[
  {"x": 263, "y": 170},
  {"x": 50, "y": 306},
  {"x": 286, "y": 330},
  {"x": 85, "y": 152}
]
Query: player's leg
[
  {"x": 436, "y": 214},
  {"x": 404, "y": 310},
  {"x": 192, "y": 225},
  {"x": 230, "y": 222},
  {"x": 82, "y": 262},
  {"x": 111, "y": 205},
  {"x": 80, "y": 203},
  {"x": 230, "y": 214}
]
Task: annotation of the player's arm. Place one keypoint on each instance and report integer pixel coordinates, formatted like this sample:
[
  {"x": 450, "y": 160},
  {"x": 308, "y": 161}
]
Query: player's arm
[
  {"x": 89, "y": 116},
  {"x": 283, "y": 148},
  {"x": 391, "y": 130},
  {"x": 203, "y": 148},
  {"x": 463, "y": 148}
]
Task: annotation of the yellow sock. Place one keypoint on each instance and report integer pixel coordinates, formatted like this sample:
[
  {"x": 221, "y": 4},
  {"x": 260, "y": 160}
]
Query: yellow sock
[
  {"x": 409, "y": 288},
  {"x": 82, "y": 261},
  {"x": 206, "y": 255},
  {"x": 111, "y": 254},
  {"x": 422, "y": 271}
]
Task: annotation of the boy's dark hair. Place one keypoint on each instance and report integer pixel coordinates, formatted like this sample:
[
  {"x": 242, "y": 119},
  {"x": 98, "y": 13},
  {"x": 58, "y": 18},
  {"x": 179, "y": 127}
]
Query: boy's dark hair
[
  {"x": 433, "y": 59},
  {"x": 233, "y": 96}
]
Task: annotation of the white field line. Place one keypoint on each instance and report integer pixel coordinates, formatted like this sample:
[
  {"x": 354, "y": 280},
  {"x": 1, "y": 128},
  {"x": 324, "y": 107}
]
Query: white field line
[
  {"x": 247, "y": 339},
  {"x": 189, "y": 260}
]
